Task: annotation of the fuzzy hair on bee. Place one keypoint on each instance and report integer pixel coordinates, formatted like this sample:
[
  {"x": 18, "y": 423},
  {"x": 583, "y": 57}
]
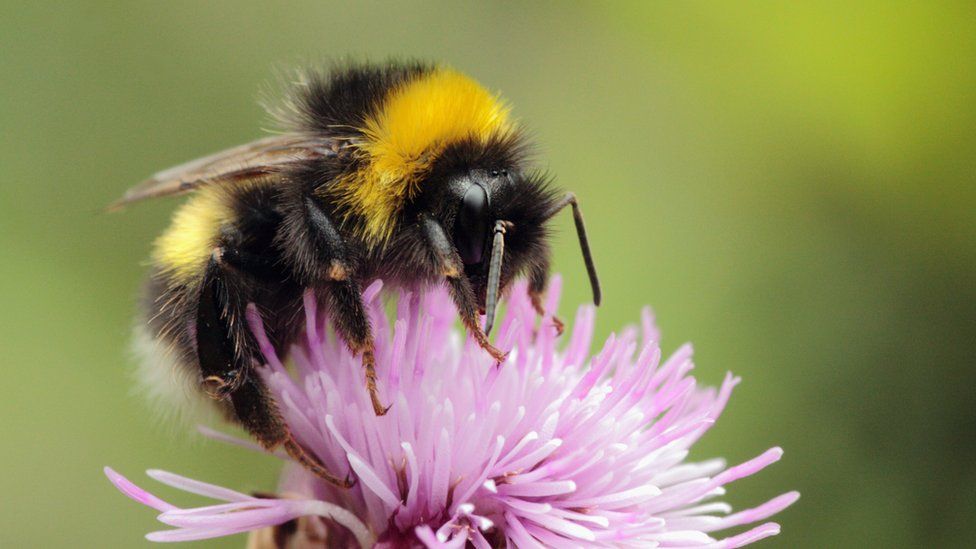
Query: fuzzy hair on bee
[{"x": 408, "y": 172}]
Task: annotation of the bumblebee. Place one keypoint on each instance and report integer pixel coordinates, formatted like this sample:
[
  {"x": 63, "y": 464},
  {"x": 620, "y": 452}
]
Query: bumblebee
[{"x": 408, "y": 172}]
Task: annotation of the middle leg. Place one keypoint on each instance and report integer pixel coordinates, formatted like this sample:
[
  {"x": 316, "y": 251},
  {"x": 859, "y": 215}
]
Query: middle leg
[
  {"x": 349, "y": 318},
  {"x": 320, "y": 261}
]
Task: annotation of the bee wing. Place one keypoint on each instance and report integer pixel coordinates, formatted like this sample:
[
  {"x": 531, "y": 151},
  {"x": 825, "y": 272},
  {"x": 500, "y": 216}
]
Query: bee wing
[{"x": 242, "y": 163}]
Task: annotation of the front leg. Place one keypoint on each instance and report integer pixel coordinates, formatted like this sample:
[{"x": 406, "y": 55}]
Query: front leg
[
  {"x": 464, "y": 300},
  {"x": 449, "y": 265}
]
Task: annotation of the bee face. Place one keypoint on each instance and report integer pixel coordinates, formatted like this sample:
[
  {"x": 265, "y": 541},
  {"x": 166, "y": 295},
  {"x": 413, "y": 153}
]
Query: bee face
[{"x": 477, "y": 194}]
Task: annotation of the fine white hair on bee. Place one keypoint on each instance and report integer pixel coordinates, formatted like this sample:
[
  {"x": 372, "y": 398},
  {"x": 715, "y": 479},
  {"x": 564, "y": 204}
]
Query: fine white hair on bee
[{"x": 169, "y": 386}]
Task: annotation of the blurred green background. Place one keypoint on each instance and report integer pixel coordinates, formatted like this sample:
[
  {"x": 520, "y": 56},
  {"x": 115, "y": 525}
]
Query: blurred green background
[{"x": 792, "y": 187}]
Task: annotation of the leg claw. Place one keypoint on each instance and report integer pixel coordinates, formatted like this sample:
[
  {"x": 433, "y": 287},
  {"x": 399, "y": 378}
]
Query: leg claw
[
  {"x": 496, "y": 354},
  {"x": 541, "y": 311},
  {"x": 558, "y": 324},
  {"x": 369, "y": 363},
  {"x": 217, "y": 387},
  {"x": 310, "y": 462}
]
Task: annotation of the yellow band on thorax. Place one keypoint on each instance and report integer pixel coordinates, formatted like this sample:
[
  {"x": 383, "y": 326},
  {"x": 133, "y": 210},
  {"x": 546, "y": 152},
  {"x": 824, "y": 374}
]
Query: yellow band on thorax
[{"x": 414, "y": 124}]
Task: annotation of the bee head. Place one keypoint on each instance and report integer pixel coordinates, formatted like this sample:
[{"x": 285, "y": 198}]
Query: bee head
[{"x": 482, "y": 188}]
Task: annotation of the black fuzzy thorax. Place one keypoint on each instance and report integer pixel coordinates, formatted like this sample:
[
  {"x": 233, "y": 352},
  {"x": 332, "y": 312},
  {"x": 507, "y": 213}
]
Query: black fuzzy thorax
[{"x": 336, "y": 104}]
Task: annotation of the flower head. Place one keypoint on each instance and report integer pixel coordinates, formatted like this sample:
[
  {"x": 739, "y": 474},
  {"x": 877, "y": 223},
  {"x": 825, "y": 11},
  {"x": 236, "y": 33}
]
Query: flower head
[{"x": 554, "y": 448}]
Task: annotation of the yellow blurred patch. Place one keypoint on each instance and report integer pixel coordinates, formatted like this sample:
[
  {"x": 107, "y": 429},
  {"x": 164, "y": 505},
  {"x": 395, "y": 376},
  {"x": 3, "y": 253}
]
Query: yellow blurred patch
[
  {"x": 414, "y": 125},
  {"x": 183, "y": 250}
]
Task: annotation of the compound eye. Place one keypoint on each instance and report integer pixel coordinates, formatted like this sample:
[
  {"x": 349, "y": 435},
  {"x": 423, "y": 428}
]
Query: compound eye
[{"x": 471, "y": 225}]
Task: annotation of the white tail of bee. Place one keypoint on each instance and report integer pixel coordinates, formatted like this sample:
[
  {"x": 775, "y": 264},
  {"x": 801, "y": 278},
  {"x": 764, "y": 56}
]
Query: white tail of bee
[{"x": 169, "y": 386}]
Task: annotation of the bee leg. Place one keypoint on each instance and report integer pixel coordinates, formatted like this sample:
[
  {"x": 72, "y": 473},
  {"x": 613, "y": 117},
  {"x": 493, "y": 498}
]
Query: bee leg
[
  {"x": 226, "y": 352},
  {"x": 321, "y": 263},
  {"x": 328, "y": 261},
  {"x": 464, "y": 300},
  {"x": 220, "y": 333},
  {"x": 257, "y": 412},
  {"x": 449, "y": 265},
  {"x": 538, "y": 279},
  {"x": 445, "y": 257},
  {"x": 345, "y": 303}
]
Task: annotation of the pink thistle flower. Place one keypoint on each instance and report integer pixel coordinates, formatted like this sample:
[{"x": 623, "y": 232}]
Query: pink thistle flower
[{"x": 551, "y": 449}]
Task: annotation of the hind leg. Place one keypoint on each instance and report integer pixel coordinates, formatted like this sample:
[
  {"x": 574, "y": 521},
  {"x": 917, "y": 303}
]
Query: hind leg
[{"x": 227, "y": 353}]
